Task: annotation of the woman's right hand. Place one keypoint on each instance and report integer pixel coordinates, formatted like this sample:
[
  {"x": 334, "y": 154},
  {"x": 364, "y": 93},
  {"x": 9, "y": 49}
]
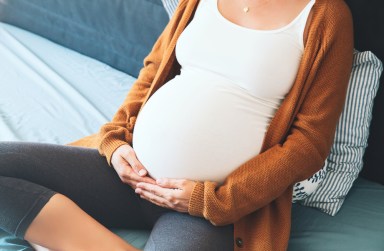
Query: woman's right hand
[{"x": 128, "y": 167}]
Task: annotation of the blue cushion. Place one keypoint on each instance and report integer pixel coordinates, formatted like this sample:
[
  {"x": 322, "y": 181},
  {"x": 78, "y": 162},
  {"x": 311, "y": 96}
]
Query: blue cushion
[
  {"x": 359, "y": 225},
  {"x": 119, "y": 33}
]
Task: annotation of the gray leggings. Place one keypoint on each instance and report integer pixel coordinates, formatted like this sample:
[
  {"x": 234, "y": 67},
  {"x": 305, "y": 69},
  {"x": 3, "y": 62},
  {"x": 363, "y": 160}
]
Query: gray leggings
[{"x": 31, "y": 173}]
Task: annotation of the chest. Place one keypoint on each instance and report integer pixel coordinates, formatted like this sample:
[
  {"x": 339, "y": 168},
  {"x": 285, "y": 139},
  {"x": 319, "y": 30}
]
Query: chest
[{"x": 263, "y": 62}]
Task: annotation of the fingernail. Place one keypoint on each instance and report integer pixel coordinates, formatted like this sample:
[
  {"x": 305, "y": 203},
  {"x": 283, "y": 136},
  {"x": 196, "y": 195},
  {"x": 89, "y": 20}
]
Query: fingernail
[
  {"x": 137, "y": 190},
  {"x": 142, "y": 172},
  {"x": 160, "y": 181}
]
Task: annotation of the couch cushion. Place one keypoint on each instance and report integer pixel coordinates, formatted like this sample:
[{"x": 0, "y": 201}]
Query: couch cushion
[
  {"x": 368, "y": 21},
  {"x": 43, "y": 99},
  {"x": 358, "y": 226},
  {"x": 119, "y": 33},
  {"x": 345, "y": 160}
]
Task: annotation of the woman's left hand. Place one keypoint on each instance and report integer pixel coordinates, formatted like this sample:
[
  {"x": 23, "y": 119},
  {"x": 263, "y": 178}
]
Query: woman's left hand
[{"x": 169, "y": 193}]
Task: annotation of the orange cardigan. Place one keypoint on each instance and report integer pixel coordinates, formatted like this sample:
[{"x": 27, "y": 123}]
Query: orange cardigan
[{"x": 257, "y": 196}]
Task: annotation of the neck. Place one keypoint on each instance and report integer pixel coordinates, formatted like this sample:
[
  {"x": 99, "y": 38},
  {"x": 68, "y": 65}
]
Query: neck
[{"x": 254, "y": 4}]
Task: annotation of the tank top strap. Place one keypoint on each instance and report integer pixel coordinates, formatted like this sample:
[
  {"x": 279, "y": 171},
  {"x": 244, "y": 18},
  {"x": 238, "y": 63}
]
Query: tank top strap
[{"x": 301, "y": 21}]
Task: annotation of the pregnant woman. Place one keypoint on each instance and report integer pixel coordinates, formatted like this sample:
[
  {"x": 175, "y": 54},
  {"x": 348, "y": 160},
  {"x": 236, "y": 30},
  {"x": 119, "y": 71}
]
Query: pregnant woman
[{"x": 237, "y": 101}]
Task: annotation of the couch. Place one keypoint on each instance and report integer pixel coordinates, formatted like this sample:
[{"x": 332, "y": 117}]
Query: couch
[{"x": 113, "y": 36}]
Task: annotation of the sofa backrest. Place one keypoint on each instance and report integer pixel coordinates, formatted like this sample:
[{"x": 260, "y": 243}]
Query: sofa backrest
[
  {"x": 118, "y": 33},
  {"x": 368, "y": 18}
]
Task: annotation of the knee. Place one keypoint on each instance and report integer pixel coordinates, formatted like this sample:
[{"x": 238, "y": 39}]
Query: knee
[{"x": 177, "y": 231}]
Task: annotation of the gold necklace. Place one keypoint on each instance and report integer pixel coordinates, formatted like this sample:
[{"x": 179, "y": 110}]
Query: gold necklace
[{"x": 246, "y": 7}]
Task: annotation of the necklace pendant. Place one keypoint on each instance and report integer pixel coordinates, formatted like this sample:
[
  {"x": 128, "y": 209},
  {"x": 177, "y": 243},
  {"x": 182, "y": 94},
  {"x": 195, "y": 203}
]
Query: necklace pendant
[{"x": 246, "y": 9}]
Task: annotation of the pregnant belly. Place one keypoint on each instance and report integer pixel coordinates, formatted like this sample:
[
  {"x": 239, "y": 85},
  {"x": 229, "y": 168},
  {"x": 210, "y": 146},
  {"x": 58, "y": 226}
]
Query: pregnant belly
[{"x": 200, "y": 131}]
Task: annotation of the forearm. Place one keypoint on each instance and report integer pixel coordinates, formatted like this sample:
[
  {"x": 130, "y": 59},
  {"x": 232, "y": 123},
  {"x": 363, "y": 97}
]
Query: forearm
[
  {"x": 255, "y": 184},
  {"x": 119, "y": 130}
]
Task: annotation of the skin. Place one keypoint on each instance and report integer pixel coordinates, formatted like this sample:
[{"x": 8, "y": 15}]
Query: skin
[
  {"x": 62, "y": 225},
  {"x": 61, "y": 222}
]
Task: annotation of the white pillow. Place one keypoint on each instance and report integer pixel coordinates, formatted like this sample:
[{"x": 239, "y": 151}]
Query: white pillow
[{"x": 303, "y": 189}]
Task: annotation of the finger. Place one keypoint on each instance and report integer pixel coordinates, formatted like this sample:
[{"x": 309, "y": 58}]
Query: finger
[
  {"x": 147, "y": 179},
  {"x": 128, "y": 179},
  {"x": 151, "y": 197},
  {"x": 170, "y": 198},
  {"x": 132, "y": 178},
  {"x": 153, "y": 188},
  {"x": 129, "y": 173},
  {"x": 171, "y": 183},
  {"x": 136, "y": 165},
  {"x": 125, "y": 172}
]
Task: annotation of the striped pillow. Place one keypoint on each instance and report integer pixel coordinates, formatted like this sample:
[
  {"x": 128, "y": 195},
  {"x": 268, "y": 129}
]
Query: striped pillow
[
  {"x": 346, "y": 157},
  {"x": 170, "y": 6}
]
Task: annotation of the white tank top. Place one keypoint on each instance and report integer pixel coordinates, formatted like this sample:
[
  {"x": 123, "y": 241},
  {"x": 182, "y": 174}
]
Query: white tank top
[{"x": 212, "y": 118}]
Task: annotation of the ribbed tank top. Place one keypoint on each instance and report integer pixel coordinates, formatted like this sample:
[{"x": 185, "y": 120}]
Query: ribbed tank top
[{"x": 212, "y": 118}]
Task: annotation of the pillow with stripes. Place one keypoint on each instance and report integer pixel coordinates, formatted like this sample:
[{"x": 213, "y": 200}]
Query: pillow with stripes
[
  {"x": 345, "y": 160},
  {"x": 170, "y": 6}
]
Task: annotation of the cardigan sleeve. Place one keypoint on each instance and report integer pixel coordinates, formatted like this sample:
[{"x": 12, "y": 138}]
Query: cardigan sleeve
[
  {"x": 268, "y": 175},
  {"x": 119, "y": 131}
]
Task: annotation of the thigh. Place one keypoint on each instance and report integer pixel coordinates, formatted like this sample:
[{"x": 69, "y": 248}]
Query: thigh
[
  {"x": 82, "y": 175},
  {"x": 177, "y": 231}
]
